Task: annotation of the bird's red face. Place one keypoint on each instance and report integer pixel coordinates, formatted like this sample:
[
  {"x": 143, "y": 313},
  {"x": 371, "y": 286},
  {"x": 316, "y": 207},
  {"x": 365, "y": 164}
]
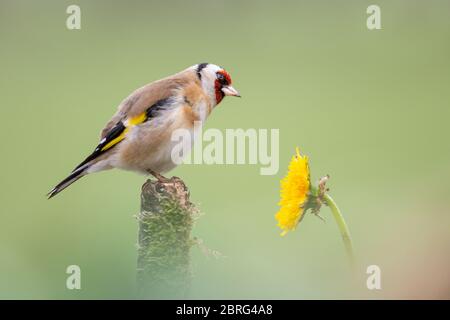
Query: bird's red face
[
  {"x": 216, "y": 82},
  {"x": 222, "y": 86}
]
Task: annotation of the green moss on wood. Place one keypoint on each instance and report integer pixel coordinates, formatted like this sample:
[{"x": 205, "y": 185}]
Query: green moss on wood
[{"x": 165, "y": 224}]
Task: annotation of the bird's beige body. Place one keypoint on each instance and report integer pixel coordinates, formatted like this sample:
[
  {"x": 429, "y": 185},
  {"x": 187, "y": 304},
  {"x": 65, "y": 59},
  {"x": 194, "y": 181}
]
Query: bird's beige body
[{"x": 149, "y": 145}]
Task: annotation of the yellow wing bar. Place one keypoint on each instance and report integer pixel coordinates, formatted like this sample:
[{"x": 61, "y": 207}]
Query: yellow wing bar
[{"x": 128, "y": 124}]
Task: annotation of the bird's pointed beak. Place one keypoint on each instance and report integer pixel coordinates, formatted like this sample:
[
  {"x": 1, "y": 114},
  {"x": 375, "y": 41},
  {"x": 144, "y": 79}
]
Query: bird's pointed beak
[{"x": 230, "y": 91}]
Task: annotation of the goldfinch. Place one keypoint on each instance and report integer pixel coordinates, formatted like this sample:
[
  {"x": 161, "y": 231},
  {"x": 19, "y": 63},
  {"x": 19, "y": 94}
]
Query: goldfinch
[{"x": 138, "y": 136}]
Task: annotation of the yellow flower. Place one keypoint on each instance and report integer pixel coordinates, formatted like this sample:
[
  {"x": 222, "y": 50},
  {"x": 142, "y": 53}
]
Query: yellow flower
[{"x": 294, "y": 193}]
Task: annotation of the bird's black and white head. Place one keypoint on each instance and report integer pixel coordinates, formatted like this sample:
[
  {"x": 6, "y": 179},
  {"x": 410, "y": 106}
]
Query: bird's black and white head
[{"x": 215, "y": 81}]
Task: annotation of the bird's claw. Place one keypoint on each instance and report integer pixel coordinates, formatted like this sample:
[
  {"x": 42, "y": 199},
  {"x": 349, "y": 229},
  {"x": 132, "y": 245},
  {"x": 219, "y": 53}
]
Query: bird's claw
[{"x": 158, "y": 176}]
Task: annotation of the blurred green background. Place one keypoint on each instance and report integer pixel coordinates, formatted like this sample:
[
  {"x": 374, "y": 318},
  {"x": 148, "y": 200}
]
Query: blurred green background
[{"x": 371, "y": 108}]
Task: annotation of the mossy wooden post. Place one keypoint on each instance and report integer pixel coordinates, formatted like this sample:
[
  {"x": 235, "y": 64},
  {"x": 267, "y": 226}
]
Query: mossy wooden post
[{"x": 164, "y": 240}]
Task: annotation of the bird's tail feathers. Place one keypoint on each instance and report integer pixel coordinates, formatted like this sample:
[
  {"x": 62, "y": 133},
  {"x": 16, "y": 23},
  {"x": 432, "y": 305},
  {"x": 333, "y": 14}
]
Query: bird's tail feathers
[{"x": 74, "y": 176}]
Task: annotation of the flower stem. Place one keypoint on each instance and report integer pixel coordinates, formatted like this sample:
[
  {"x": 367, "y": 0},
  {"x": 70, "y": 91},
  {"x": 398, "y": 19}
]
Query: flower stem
[{"x": 342, "y": 227}]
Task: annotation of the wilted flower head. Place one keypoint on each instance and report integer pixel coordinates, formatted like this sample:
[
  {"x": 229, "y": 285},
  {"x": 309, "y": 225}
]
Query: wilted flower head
[{"x": 295, "y": 189}]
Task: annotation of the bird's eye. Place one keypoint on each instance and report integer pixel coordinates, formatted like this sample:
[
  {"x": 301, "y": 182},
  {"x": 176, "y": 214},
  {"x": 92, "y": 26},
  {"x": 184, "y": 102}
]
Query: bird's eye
[{"x": 222, "y": 79}]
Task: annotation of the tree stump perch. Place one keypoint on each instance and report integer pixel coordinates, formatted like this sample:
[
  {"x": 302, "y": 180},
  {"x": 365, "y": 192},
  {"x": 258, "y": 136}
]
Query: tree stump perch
[{"x": 164, "y": 240}]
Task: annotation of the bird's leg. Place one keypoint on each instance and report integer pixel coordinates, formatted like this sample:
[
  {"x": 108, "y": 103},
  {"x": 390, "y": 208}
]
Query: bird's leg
[{"x": 160, "y": 178}]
